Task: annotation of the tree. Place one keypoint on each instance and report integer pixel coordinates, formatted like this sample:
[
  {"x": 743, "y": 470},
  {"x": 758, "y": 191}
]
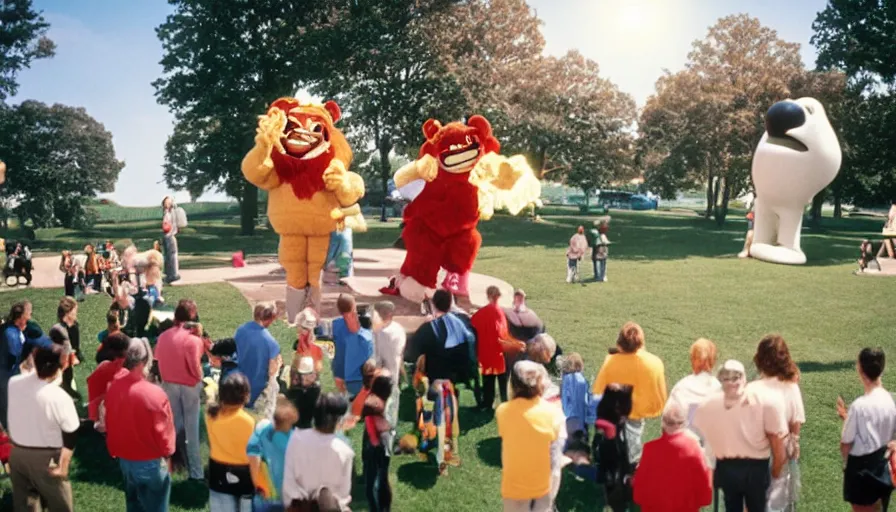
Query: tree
[
  {"x": 857, "y": 37},
  {"x": 61, "y": 157},
  {"x": 225, "y": 61},
  {"x": 559, "y": 112},
  {"x": 22, "y": 40},
  {"x": 392, "y": 81},
  {"x": 704, "y": 122}
]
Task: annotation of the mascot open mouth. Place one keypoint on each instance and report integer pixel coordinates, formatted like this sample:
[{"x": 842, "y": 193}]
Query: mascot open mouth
[
  {"x": 305, "y": 143},
  {"x": 459, "y": 156},
  {"x": 788, "y": 142}
]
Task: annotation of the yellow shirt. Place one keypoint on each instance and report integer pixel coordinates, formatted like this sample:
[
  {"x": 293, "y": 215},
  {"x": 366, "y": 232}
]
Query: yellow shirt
[
  {"x": 644, "y": 372},
  {"x": 527, "y": 428},
  {"x": 228, "y": 436}
]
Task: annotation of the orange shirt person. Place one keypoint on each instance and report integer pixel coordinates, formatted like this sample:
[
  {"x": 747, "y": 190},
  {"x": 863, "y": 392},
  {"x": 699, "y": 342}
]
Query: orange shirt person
[{"x": 631, "y": 364}]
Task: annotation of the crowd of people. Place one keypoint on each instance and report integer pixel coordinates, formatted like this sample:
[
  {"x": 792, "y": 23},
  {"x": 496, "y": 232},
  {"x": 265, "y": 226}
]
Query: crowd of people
[{"x": 277, "y": 440}]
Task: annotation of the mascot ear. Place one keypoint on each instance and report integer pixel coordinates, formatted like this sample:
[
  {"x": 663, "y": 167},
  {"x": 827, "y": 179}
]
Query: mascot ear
[
  {"x": 334, "y": 110},
  {"x": 430, "y": 128},
  {"x": 489, "y": 142}
]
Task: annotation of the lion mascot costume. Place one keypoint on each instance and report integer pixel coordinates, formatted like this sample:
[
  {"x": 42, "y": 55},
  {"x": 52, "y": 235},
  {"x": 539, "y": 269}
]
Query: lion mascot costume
[
  {"x": 302, "y": 160},
  {"x": 465, "y": 180}
]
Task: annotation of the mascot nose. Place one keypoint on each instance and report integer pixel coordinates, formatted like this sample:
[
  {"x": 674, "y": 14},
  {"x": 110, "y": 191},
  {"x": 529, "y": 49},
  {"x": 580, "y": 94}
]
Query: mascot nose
[{"x": 784, "y": 116}]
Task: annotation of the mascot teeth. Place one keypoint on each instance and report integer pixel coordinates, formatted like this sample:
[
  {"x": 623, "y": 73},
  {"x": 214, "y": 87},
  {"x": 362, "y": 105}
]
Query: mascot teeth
[{"x": 461, "y": 158}]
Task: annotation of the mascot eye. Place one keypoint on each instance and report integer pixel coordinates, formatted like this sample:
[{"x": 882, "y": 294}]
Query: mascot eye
[
  {"x": 810, "y": 110},
  {"x": 317, "y": 128},
  {"x": 469, "y": 141}
]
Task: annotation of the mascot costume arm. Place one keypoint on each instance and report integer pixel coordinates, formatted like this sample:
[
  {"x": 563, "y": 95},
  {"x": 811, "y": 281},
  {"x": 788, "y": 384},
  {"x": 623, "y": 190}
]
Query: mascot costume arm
[{"x": 258, "y": 167}]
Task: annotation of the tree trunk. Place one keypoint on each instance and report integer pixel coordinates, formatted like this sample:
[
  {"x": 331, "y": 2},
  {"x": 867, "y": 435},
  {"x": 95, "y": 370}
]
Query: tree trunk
[
  {"x": 815, "y": 212},
  {"x": 721, "y": 203},
  {"x": 248, "y": 209},
  {"x": 385, "y": 174},
  {"x": 539, "y": 162},
  {"x": 838, "y": 202},
  {"x": 710, "y": 197}
]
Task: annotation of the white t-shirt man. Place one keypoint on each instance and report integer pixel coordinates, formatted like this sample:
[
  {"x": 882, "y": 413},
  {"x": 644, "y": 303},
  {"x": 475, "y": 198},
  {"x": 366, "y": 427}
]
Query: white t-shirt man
[
  {"x": 389, "y": 343},
  {"x": 39, "y": 412},
  {"x": 315, "y": 460},
  {"x": 870, "y": 422},
  {"x": 740, "y": 432}
]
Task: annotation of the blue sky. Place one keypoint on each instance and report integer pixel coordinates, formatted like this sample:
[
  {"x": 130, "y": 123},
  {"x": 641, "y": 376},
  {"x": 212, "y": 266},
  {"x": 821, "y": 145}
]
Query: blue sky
[{"x": 108, "y": 55}]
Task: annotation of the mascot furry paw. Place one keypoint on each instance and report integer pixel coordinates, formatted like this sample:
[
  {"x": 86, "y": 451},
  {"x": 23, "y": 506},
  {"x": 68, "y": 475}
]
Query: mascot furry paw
[
  {"x": 798, "y": 156},
  {"x": 302, "y": 160},
  {"x": 465, "y": 180}
]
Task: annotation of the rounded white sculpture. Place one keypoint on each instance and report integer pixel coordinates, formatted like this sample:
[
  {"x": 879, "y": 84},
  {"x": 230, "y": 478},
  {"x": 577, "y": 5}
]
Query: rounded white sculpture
[{"x": 798, "y": 156}]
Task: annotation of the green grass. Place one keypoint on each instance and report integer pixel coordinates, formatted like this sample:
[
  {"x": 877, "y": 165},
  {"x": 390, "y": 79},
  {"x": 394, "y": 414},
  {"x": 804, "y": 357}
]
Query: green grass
[{"x": 674, "y": 274}]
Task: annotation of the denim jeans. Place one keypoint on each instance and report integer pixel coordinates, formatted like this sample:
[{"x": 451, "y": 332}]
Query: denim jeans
[
  {"x": 185, "y": 406},
  {"x": 171, "y": 265},
  {"x": 572, "y": 270},
  {"x": 147, "y": 485},
  {"x": 220, "y": 502},
  {"x": 600, "y": 269},
  {"x": 376, "y": 477}
]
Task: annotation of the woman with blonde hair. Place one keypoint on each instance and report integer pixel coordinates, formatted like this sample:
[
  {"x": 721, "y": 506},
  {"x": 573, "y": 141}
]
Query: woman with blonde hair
[{"x": 692, "y": 390}]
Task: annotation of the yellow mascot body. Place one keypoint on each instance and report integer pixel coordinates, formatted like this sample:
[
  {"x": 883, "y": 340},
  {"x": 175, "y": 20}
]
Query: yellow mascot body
[{"x": 302, "y": 160}]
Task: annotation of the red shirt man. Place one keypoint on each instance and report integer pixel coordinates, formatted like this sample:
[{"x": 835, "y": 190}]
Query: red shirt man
[
  {"x": 672, "y": 475},
  {"x": 139, "y": 420}
]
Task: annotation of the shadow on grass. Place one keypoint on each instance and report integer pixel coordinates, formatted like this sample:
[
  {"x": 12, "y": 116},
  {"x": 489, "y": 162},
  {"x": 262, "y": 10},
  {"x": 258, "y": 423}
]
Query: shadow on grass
[
  {"x": 472, "y": 418},
  {"x": 579, "y": 495},
  {"x": 188, "y": 494},
  {"x": 419, "y": 475},
  {"x": 834, "y": 366},
  {"x": 489, "y": 451}
]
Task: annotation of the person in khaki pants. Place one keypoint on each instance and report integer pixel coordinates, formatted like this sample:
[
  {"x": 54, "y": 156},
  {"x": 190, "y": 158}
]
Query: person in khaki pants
[{"x": 43, "y": 426}]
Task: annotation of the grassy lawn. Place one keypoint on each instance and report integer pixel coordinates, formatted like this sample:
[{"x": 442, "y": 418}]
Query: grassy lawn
[{"x": 675, "y": 274}]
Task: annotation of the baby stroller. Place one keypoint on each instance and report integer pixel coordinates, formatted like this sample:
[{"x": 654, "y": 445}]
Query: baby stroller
[
  {"x": 610, "y": 446},
  {"x": 18, "y": 264}
]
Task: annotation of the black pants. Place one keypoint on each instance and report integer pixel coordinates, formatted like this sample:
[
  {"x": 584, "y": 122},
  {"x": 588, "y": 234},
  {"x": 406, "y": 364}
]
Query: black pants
[
  {"x": 488, "y": 389},
  {"x": 745, "y": 483},
  {"x": 376, "y": 477}
]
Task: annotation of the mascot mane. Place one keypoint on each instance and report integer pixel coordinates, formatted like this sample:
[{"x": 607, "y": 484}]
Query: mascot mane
[{"x": 305, "y": 176}]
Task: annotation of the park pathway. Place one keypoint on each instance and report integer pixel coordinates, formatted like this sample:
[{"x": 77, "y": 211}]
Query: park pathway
[{"x": 261, "y": 282}]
